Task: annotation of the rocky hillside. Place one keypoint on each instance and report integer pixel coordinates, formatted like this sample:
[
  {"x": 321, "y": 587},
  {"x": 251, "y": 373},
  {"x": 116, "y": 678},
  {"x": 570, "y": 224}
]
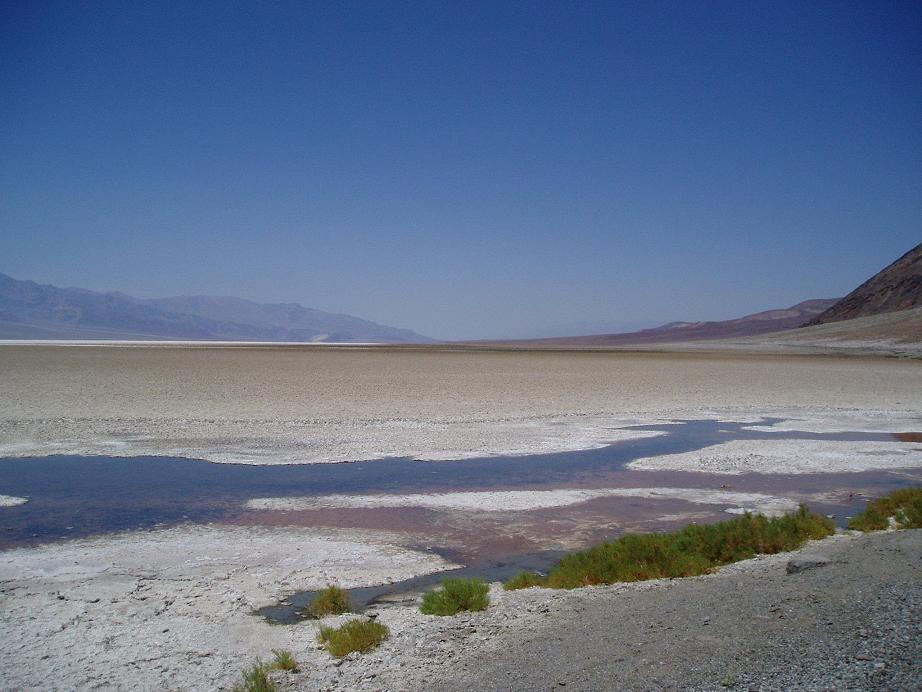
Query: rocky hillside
[{"x": 897, "y": 287}]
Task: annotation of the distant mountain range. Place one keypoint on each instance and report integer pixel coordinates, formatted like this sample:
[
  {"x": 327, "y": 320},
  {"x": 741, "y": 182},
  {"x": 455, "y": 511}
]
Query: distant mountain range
[
  {"x": 750, "y": 325},
  {"x": 896, "y": 287},
  {"x": 33, "y": 311}
]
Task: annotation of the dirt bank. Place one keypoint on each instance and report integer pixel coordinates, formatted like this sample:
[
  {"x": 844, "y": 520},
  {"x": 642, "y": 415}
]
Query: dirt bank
[{"x": 854, "y": 623}]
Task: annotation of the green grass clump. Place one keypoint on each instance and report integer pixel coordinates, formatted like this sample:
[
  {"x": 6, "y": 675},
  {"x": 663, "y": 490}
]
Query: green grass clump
[
  {"x": 255, "y": 679},
  {"x": 330, "y": 601},
  {"x": 355, "y": 635},
  {"x": 524, "y": 580},
  {"x": 695, "y": 549},
  {"x": 456, "y": 595},
  {"x": 904, "y": 506},
  {"x": 284, "y": 660}
]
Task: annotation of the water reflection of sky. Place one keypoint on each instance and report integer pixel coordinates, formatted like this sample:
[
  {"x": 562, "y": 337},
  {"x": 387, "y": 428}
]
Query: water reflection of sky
[{"x": 73, "y": 496}]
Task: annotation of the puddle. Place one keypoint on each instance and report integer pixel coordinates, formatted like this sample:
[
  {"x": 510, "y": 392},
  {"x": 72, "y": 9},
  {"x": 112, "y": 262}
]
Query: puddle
[
  {"x": 72, "y": 496},
  {"x": 908, "y": 436},
  {"x": 294, "y": 608},
  {"x": 495, "y": 559}
]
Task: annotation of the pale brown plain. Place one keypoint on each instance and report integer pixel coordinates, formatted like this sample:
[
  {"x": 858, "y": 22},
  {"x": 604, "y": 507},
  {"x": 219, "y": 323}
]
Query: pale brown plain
[{"x": 309, "y": 404}]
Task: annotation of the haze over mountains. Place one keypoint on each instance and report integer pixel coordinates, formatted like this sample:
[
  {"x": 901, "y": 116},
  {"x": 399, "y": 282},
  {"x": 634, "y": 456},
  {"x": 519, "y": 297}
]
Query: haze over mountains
[
  {"x": 32, "y": 311},
  {"x": 750, "y": 325}
]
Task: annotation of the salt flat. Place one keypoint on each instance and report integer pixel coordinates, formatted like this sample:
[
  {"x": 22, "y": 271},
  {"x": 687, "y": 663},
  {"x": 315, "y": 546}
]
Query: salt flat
[
  {"x": 173, "y": 608},
  {"x": 524, "y": 500},
  {"x": 264, "y": 404},
  {"x": 787, "y": 456}
]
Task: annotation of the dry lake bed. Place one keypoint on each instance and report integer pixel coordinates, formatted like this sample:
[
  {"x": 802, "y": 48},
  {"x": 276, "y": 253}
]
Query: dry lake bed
[{"x": 163, "y": 508}]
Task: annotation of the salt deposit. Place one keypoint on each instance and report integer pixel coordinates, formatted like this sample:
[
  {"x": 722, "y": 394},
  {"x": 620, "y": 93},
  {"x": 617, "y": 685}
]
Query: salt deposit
[
  {"x": 523, "y": 500},
  {"x": 787, "y": 456},
  {"x": 12, "y": 501}
]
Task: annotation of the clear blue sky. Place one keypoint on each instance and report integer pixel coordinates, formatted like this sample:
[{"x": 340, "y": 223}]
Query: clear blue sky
[{"x": 463, "y": 169}]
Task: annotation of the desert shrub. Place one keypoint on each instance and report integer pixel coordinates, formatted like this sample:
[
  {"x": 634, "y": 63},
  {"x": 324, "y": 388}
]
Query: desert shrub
[
  {"x": 284, "y": 660},
  {"x": 330, "y": 601},
  {"x": 355, "y": 635},
  {"x": 904, "y": 506},
  {"x": 255, "y": 679},
  {"x": 525, "y": 580},
  {"x": 693, "y": 550},
  {"x": 456, "y": 595}
]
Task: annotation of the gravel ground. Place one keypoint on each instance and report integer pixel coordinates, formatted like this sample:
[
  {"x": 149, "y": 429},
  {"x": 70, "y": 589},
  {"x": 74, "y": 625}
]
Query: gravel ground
[{"x": 854, "y": 623}]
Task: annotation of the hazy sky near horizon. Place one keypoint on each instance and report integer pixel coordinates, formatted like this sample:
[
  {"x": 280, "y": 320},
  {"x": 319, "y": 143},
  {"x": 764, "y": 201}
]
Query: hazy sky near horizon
[{"x": 463, "y": 169}]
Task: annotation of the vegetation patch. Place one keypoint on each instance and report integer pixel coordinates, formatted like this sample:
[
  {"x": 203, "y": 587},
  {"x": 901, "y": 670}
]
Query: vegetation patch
[
  {"x": 284, "y": 660},
  {"x": 330, "y": 601},
  {"x": 355, "y": 635},
  {"x": 456, "y": 595},
  {"x": 693, "y": 550},
  {"x": 903, "y": 506},
  {"x": 524, "y": 580},
  {"x": 255, "y": 679}
]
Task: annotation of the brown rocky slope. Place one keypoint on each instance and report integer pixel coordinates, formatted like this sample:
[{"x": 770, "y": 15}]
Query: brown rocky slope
[{"x": 896, "y": 287}]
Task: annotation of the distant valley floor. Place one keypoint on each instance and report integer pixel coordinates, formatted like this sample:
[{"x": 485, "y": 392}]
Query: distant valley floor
[{"x": 271, "y": 405}]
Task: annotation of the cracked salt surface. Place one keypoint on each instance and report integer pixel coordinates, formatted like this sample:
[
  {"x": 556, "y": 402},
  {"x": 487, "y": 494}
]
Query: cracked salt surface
[
  {"x": 524, "y": 500},
  {"x": 868, "y": 421},
  {"x": 327, "y": 405},
  {"x": 283, "y": 442},
  {"x": 172, "y": 609}
]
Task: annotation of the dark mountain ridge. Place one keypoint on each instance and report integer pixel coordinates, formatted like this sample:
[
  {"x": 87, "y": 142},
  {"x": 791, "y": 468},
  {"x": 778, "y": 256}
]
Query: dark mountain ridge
[{"x": 897, "y": 286}]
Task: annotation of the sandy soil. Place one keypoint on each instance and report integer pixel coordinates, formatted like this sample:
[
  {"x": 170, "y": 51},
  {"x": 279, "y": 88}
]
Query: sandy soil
[
  {"x": 788, "y": 456},
  {"x": 172, "y": 609},
  {"x": 313, "y": 404},
  {"x": 524, "y": 500}
]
